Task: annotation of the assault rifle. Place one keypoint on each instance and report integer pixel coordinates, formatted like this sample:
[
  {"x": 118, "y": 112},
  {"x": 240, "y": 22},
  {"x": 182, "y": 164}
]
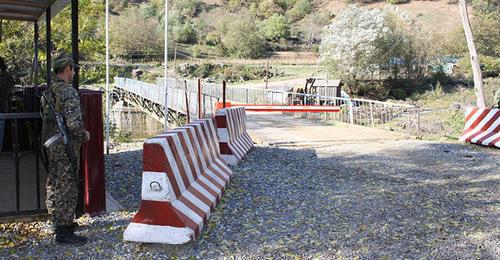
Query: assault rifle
[{"x": 63, "y": 130}]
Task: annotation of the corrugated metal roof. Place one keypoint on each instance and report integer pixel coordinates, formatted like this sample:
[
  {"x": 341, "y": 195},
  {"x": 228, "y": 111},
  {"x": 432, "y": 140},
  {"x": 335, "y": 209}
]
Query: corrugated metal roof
[{"x": 29, "y": 10}]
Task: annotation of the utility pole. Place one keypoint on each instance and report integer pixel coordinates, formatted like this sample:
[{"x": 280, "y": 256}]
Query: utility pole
[{"x": 474, "y": 59}]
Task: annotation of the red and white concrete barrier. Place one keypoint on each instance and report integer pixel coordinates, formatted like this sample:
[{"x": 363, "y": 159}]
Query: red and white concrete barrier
[
  {"x": 183, "y": 179},
  {"x": 482, "y": 126},
  {"x": 232, "y": 132}
]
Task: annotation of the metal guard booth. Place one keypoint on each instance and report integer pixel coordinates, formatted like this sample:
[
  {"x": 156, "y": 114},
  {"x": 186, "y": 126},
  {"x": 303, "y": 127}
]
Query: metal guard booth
[{"x": 22, "y": 175}]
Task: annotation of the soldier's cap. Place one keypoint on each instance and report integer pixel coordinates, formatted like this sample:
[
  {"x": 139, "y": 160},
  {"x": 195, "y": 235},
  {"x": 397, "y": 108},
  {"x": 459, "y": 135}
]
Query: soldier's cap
[{"x": 63, "y": 60}]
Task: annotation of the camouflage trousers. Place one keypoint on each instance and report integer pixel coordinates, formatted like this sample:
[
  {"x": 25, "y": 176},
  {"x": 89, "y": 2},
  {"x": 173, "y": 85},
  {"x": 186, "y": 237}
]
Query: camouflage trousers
[{"x": 62, "y": 186}]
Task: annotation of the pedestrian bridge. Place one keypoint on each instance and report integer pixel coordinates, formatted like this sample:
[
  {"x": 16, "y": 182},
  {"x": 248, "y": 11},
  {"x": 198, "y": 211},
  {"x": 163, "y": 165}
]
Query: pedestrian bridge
[{"x": 183, "y": 99}]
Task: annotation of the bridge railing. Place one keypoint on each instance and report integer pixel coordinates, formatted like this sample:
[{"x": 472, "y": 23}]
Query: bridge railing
[
  {"x": 394, "y": 116},
  {"x": 371, "y": 113},
  {"x": 176, "y": 95}
]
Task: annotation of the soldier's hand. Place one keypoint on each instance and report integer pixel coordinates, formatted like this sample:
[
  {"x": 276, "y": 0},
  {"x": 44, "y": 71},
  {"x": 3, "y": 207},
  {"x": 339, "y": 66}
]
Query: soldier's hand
[{"x": 87, "y": 136}]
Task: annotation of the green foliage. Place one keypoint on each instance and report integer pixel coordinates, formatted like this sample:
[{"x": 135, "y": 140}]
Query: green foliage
[
  {"x": 134, "y": 35},
  {"x": 397, "y": 2},
  {"x": 299, "y": 10},
  {"x": 454, "y": 123},
  {"x": 310, "y": 28},
  {"x": 231, "y": 73},
  {"x": 275, "y": 27},
  {"x": 267, "y": 8},
  {"x": 238, "y": 36}
]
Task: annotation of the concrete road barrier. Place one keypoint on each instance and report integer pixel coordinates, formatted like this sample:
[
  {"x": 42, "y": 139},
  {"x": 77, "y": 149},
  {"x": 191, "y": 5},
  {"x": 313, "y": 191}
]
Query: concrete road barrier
[
  {"x": 482, "y": 126},
  {"x": 232, "y": 132},
  {"x": 183, "y": 179}
]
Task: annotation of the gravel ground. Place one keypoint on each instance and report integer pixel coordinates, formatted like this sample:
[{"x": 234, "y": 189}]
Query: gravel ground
[{"x": 395, "y": 199}]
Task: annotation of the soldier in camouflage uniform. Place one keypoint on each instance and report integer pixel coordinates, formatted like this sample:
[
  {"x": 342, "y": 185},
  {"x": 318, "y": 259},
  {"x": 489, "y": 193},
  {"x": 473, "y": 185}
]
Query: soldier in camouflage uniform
[{"x": 62, "y": 180}]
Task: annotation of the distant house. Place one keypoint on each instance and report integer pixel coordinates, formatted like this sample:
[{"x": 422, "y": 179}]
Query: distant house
[{"x": 325, "y": 87}]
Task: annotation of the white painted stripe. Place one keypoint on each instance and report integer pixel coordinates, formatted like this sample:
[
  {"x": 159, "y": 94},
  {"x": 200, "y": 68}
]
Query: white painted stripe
[
  {"x": 491, "y": 139},
  {"x": 197, "y": 202},
  {"x": 198, "y": 147},
  {"x": 171, "y": 160},
  {"x": 223, "y": 165},
  {"x": 153, "y": 180},
  {"x": 138, "y": 232},
  {"x": 490, "y": 129},
  {"x": 480, "y": 125},
  {"x": 216, "y": 178},
  {"x": 192, "y": 154},
  {"x": 185, "y": 163},
  {"x": 210, "y": 185},
  {"x": 203, "y": 191},
  {"x": 189, "y": 213},
  {"x": 473, "y": 119},
  {"x": 230, "y": 159},
  {"x": 205, "y": 145}
]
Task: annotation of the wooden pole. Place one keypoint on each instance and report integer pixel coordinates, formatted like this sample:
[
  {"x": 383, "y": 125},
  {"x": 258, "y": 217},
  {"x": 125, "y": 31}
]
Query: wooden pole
[{"x": 476, "y": 69}]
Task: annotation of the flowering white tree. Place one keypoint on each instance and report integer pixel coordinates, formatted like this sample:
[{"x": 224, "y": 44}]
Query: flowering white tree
[{"x": 361, "y": 43}]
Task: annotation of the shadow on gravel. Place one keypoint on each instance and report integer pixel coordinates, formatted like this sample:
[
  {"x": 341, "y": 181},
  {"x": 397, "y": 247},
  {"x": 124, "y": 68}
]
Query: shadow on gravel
[{"x": 421, "y": 200}]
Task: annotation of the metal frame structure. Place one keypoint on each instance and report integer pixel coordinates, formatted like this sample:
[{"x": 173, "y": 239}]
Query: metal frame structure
[{"x": 36, "y": 11}]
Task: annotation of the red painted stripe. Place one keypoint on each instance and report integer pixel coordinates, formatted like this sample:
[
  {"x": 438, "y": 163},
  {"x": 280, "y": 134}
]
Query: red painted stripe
[
  {"x": 157, "y": 213},
  {"x": 221, "y": 121},
  {"x": 210, "y": 190},
  {"x": 154, "y": 158},
  {"x": 191, "y": 134},
  {"x": 200, "y": 196},
  {"x": 484, "y": 128},
  {"x": 471, "y": 114},
  {"x": 476, "y": 122},
  {"x": 188, "y": 222},
  {"x": 188, "y": 155},
  {"x": 492, "y": 133},
  {"x": 193, "y": 207},
  {"x": 167, "y": 168},
  {"x": 177, "y": 157}
]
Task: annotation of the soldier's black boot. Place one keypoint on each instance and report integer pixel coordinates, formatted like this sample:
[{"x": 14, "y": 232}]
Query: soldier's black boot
[{"x": 66, "y": 235}]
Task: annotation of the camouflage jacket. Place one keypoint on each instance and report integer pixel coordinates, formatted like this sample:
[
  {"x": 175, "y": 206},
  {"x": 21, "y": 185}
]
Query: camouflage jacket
[
  {"x": 66, "y": 101},
  {"x": 6, "y": 85}
]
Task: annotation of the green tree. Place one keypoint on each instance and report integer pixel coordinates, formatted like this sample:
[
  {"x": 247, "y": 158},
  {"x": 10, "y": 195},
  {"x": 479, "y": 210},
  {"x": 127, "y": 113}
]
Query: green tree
[
  {"x": 275, "y": 28},
  {"x": 239, "y": 36},
  {"x": 299, "y": 10}
]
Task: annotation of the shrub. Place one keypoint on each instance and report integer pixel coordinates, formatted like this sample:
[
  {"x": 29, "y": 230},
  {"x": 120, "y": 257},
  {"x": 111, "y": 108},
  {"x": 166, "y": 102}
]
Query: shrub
[
  {"x": 275, "y": 27},
  {"x": 396, "y": 2},
  {"x": 299, "y": 10}
]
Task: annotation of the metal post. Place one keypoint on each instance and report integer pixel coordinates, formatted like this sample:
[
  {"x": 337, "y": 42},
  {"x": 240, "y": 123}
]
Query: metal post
[
  {"x": 165, "y": 18},
  {"x": 107, "y": 78},
  {"x": 351, "y": 114},
  {"x": 418, "y": 122},
  {"x": 246, "y": 95},
  {"x": 371, "y": 114},
  {"x": 200, "y": 116},
  {"x": 74, "y": 41},
  {"x": 224, "y": 93},
  {"x": 48, "y": 29},
  {"x": 1, "y": 29},
  {"x": 187, "y": 102},
  {"x": 35, "y": 58}
]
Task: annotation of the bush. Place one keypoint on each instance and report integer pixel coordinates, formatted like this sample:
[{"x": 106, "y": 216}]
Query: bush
[
  {"x": 240, "y": 37},
  {"x": 396, "y": 2},
  {"x": 299, "y": 10},
  {"x": 275, "y": 27}
]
